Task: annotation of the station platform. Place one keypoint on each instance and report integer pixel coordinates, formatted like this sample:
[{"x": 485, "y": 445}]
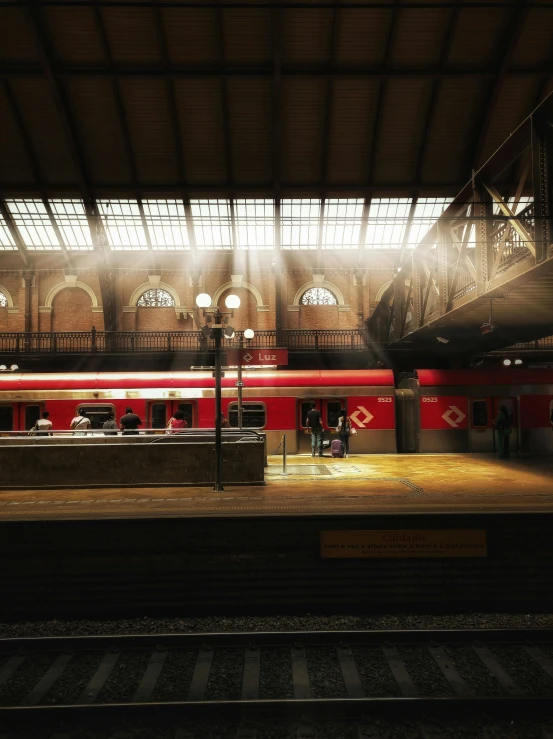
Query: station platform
[{"x": 364, "y": 484}]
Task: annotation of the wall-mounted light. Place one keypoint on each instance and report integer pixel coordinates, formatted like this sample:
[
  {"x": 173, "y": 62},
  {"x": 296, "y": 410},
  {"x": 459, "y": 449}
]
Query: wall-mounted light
[
  {"x": 507, "y": 362},
  {"x": 518, "y": 361}
]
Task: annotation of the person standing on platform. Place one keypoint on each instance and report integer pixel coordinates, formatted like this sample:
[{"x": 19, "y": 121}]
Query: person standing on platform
[
  {"x": 44, "y": 425},
  {"x": 80, "y": 424},
  {"x": 315, "y": 428},
  {"x": 130, "y": 422},
  {"x": 503, "y": 429},
  {"x": 177, "y": 422},
  {"x": 110, "y": 425},
  {"x": 224, "y": 422},
  {"x": 344, "y": 429}
]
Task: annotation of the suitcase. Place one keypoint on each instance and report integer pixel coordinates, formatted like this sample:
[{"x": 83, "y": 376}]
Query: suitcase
[{"x": 337, "y": 448}]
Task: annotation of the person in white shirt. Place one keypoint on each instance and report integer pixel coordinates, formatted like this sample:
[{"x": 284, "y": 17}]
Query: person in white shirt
[
  {"x": 44, "y": 425},
  {"x": 80, "y": 424}
]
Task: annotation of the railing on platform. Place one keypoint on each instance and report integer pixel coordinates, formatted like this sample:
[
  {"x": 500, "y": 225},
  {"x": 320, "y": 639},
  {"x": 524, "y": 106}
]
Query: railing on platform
[{"x": 129, "y": 342}]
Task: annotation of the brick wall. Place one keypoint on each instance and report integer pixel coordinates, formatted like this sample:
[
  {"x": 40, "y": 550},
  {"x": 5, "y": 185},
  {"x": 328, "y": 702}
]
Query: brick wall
[
  {"x": 72, "y": 310},
  {"x": 72, "y": 307}
]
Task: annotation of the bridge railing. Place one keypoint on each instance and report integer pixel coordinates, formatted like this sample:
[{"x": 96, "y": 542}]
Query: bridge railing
[{"x": 129, "y": 342}]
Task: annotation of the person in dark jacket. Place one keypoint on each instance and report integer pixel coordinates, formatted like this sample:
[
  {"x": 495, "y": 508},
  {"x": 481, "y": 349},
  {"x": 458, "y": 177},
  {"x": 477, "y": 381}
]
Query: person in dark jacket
[
  {"x": 110, "y": 425},
  {"x": 503, "y": 431},
  {"x": 315, "y": 428},
  {"x": 130, "y": 422}
]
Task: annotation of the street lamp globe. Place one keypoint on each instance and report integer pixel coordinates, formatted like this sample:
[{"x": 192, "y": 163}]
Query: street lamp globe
[
  {"x": 14, "y": 367},
  {"x": 203, "y": 300},
  {"x": 3, "y": 367},
  {"x": 232, "y": 302},
  {"x": 249, "y": 334}
]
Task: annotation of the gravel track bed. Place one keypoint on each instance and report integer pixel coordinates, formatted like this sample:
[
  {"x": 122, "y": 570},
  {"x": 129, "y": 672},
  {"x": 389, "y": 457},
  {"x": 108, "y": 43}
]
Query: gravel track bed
[
  {"x": 277, "y": 623},
  {"x": 125, "y": 678},
  {"x": 377, "y": 729},
  {"x": 424, "y": 671},
  {"x": 25, "y": 678},
  {"x": 225, "y": 679},
  {"x": 275, "y": 679},
  {"x": 74, "y": 679},
  {"x": 376, "y": 677},
  {"x": 176, "y": 675},
  {"x": 524, "y": 671},
  {"x": 473, "y": 672},
  {"x": 325, "y": 675}
]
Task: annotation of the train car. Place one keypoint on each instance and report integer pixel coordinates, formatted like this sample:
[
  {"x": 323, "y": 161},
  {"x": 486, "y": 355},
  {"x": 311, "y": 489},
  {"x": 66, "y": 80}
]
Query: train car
[
  {"x": 275, "y": 402},
  {"x": 454, "y": 410}
]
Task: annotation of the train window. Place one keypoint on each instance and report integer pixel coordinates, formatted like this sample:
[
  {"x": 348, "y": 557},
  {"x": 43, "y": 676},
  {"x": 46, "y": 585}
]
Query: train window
[
  {"x": 305, "y": 408},
  {"x": 333, "y": 408},
  {"x": 188, "y": 411},
  {"x": 254, "y": 415},
  {"x": 97, "y": 414},
  {"x": 6, "y": 418},
  {"x": 32, "y": 414},
  {"x": 158, "y": 413},
  {"x": 479, "y": 413}
]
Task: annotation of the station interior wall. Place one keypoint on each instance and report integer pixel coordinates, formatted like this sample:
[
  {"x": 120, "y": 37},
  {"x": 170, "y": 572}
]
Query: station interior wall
[{"x": 77, "y": 302}]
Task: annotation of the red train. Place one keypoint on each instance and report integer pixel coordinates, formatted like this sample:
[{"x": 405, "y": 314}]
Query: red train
[{"x": 433, "y": 411}]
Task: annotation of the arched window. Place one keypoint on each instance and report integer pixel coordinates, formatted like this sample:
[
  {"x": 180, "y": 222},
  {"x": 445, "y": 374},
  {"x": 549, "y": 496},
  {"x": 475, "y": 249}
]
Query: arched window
[
  {"x": 3, "y": 301},
  {"x": 155, "y": 299},
  {"x": 318, "y": 296}
]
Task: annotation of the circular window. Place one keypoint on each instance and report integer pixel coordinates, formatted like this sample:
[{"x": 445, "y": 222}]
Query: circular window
[
  {"x": 156, "y": 299},
  {"x": 318, "y": 296},
  {"x": 3, "y": 301}
]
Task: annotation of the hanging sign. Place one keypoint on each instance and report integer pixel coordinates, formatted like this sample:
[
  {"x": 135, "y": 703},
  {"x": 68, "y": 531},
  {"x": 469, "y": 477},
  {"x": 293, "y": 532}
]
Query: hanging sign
[{"x": 257, "y": 357}]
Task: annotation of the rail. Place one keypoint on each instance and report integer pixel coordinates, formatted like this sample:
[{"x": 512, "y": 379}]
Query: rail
[
  {"x": 202, "y": 690},
  {"x": 132, "y": 342}
]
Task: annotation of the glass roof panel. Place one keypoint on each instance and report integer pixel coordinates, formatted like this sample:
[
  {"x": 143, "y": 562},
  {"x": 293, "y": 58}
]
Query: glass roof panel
[
  {"x": 342, "y": 223},
  {"x": 166, "y": 221},
  {"x": 427, "y": 212},
  {"x": 300, "y": 223},
  {"x": 387, "y": 222},
  {"x": 123, "y": 224},
  {"x": 255, "y": 224},
  {"x": 34, "y": 225},
  {"x": 71, "y": 218},
  {"x": 6, "y": 241},
  {"x": 212, "y": 223}
]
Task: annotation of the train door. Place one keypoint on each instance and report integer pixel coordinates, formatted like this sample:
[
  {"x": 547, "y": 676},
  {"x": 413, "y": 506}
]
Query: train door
[
  {"x": 512, "y": 409},
  {"x": 330, "y": 411},
  {"x": 7, "y": 418},
  {"x": 481, "y": 425},
  {"x": 160, "y": 411},
  {"x": 29, "y": 413}
]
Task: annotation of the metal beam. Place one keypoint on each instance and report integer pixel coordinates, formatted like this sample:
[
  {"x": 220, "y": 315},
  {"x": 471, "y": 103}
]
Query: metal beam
[
  {"x": 244, "y": 4},
  {"x": 31, "y": 156},
  {"x": 383, "y": 89},
  {"x": 515, "y": 223},
  {"x": 14, "y": 231},
  {"x": 503, "y": 61},
  {"x": 276, "y": 16},
  {"x": 63, "y": 71},
  {"x": 436, "y": 89},
  {"x": 336, "y": 17},
  {"x": 408, "y": 226},
  {"x": 220, "y": 34},
  {"x": 363, "y": 229},
  {"x": 508, "y": 227},
  {"x": 542, "y": 184}
]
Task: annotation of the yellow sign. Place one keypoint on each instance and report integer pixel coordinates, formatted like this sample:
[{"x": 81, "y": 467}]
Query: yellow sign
[{"x": 403, "y": 543}]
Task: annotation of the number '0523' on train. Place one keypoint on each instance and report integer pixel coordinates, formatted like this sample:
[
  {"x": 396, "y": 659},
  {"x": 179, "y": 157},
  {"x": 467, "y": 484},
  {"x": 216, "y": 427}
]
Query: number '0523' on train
[{"x": 431, "y": 411}]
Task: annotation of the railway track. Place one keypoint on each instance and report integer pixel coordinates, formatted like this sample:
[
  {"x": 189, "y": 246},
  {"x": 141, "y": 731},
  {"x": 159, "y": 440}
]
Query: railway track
[{"x": 290, "y": 675}]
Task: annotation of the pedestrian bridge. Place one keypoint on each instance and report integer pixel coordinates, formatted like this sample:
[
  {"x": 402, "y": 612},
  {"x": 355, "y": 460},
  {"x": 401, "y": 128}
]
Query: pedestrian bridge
[{"x": 482, "y": 277}]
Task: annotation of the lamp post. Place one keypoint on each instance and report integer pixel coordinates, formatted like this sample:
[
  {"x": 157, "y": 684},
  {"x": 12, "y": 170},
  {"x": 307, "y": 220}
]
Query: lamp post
[
  {"x": 218, "y": 328},
  {"x": 248, "y": 335}
]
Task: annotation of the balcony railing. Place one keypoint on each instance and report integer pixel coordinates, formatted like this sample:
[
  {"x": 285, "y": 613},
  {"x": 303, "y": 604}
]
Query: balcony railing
[{"x": 141, "y": 342}]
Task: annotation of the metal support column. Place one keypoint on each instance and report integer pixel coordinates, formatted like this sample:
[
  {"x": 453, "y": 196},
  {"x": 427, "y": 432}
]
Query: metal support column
[
  {"x": 28, "y": 282},
  {"x": 218, "y": 335},
  {"x": 483, "y": 222},
  {"x": 442, "y": 247},
  {"x": 542, "y": 183}
]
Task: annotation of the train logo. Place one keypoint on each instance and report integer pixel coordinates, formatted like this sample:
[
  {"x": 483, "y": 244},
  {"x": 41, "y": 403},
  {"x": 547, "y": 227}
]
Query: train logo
[
  {"x": 367, "y": 417},
  {"x": 454, "y": 423}
]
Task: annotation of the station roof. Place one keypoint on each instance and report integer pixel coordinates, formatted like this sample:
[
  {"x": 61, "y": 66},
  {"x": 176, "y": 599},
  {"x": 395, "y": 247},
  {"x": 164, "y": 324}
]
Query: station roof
[{"x": 218, "y": 99}]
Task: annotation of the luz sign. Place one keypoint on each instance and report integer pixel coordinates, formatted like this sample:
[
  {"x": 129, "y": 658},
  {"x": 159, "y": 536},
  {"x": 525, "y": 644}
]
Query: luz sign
[
  {"x": 257, "y": 357},
  {"x": 404, "y": 543}
]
